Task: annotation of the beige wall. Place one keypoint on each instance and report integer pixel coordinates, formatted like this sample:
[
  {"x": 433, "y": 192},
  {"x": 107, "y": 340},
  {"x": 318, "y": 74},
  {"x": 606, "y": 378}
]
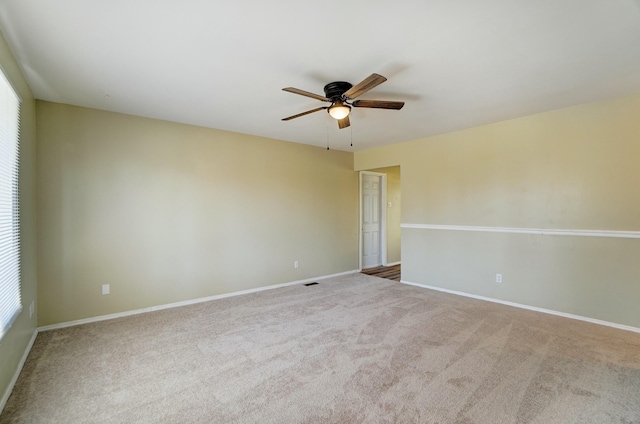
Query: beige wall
[
  {"x": 165, "y": 212},
  {"x": 394, "y": 216},
  {"x": 575, "y": 168},
  {"x": 15, "y": 342}
]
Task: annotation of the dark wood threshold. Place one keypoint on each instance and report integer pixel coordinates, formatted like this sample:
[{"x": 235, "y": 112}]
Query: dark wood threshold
[{"x": 388, "y": 272}]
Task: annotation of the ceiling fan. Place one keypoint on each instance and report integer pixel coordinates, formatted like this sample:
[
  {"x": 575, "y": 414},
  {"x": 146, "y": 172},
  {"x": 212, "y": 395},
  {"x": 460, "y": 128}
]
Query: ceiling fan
[{"x": 342, "y": 96}]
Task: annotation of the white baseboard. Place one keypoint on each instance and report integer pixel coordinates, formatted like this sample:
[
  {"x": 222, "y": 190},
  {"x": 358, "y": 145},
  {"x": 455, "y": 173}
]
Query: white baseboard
[
  {"x": 185, "y": 302},
  {"x": 531, "y": 308},
  {"x": 393, "y": 263},
  {"x": 16, "y": 374}
]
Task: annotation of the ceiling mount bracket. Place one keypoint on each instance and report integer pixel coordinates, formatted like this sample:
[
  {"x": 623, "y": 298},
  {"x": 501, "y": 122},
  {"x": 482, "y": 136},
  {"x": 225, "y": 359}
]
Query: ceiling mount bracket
[{"x": 335, "y": 90}]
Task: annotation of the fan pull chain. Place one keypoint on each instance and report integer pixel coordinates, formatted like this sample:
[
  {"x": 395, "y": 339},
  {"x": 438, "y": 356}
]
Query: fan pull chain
[
  {"x": 327, "y": 126},
  {"x": 351, "y": 128}
]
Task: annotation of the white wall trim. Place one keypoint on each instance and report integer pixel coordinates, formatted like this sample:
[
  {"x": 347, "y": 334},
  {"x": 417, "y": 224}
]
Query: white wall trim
[
  {"x": 394, "y": 263},
  {"x": 16, "y": 374},
  {"x": 186, "y": 302},
  {"x": 531, "y": 308},
  {"x": 539, "y": 231}
]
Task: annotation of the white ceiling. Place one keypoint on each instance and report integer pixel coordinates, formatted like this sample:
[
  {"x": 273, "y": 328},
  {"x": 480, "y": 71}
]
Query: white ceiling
[{"x": 222, "y": 64}]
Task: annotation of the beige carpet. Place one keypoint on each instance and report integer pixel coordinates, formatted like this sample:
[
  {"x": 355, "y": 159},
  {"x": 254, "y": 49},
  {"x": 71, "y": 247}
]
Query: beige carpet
[{"x": 358, "y": 349}]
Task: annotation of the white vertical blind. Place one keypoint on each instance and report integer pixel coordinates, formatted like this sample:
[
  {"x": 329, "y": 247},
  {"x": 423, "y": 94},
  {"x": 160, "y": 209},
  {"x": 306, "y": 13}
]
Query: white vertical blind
[{"x": 10, "y": 302}]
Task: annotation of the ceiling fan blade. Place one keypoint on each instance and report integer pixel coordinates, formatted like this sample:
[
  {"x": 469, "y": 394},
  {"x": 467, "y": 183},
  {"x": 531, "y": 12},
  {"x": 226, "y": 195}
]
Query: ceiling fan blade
[
  {"x": 364, "y": 86},
  {"x": 378, "y": 104},
  {"x": 344, "y": 122},
  {"x": 303, "y": 113},
  {"x": 306, "y": 93}
]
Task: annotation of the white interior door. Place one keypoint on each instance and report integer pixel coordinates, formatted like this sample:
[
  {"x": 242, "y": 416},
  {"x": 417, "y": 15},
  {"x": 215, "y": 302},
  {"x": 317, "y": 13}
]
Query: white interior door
[{"x": 371, "y": 221}]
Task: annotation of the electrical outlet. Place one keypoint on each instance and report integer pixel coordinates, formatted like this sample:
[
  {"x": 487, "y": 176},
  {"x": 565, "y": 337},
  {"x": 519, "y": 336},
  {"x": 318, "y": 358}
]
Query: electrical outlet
[
  {"x": 295, "y": 264},
  {"x": 498, "y": 278},
  {"x": 106, "y": 289}
]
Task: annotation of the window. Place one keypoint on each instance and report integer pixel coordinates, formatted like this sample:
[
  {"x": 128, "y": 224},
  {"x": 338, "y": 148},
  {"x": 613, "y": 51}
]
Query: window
[{"x": 10, "y": 302}]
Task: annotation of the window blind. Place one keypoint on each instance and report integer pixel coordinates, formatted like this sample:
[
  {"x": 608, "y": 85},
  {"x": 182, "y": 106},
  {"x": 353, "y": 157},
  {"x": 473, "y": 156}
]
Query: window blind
[{"x": 10, "y": 301}]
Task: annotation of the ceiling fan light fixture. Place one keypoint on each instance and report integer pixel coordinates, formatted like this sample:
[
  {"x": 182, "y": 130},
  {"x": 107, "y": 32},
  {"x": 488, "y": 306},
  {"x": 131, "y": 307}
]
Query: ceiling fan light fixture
[
  {"x": 342, "y": 96},
  {"x": 339, "y": 110}
]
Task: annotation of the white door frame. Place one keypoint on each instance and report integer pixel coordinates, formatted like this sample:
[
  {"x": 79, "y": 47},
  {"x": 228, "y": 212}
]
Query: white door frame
[{"x": 383, "y": 218}]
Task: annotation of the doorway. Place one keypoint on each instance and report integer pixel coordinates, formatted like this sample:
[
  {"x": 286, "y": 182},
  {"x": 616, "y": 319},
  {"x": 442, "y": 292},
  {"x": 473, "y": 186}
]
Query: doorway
[
  {"x": 384, "y": 205},
  {"x": 373, "y": 219}
]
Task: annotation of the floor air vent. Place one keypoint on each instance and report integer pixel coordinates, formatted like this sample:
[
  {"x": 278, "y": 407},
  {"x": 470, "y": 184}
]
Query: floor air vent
[{"x": 311, "y": 284}]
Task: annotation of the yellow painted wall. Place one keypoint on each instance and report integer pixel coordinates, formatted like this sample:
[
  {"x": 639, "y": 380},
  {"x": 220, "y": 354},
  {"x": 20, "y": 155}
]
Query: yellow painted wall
[
  {"x": 14, "y": 343},
  {"x": 165, "y": 212},
  {"x": 394, "y": 217},
  {"x": 575, "y": 168}
]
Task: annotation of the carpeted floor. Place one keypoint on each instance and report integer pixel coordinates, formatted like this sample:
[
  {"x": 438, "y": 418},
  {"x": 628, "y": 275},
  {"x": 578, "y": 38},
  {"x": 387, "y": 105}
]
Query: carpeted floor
[{"x": 356, "y": 349}]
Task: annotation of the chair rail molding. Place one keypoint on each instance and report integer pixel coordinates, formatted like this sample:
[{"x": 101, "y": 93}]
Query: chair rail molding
[{"x": 520, "y": 230}]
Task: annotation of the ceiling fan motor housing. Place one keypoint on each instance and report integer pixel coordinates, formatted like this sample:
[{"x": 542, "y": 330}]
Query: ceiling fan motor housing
[{"x": 335, "y": 90}]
